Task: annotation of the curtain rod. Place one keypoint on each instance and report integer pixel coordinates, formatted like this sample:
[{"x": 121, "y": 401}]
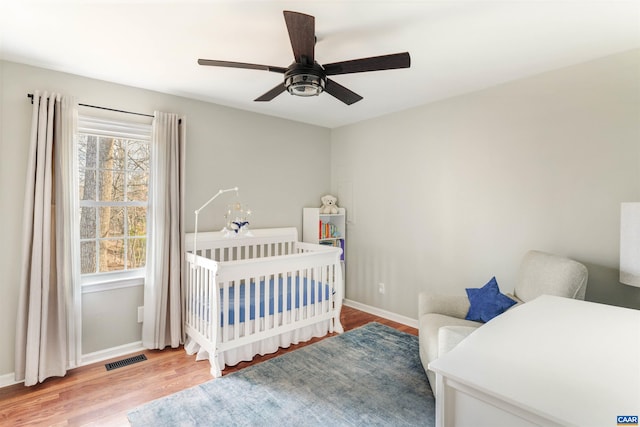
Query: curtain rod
[{"x": 30, "y": 95}]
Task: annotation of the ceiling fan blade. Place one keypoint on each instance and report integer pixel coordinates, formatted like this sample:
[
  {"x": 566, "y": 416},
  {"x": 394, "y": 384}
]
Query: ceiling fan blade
[
  {"x": 302, "y": 33},
  {"x": 341, "y": 92},
  {"x": 268, "y": 96},
  {"x": 230, "y": 64},
  {"x": 374, "y": 63}
]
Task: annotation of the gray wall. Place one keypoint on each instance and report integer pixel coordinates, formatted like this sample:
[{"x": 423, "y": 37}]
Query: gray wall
[
  {"x": 447, "y": 195},
  {"x": 441, "y": 197},
  {"x": 267, "y": 158}
]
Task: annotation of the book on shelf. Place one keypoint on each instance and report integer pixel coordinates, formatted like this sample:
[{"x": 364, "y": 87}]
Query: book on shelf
[
  {"x": 337, "y": 243},
  {"x": 327, "y": 230}
]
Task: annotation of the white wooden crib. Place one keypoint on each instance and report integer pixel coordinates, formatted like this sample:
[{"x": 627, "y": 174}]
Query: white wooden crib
[{"x": 295, "y": 292}]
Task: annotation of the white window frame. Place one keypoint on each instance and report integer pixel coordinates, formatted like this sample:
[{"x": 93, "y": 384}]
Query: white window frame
[{"x": 98, "y": 282}]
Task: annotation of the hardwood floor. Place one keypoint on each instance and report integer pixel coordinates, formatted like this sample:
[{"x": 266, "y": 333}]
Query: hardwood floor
[{"x": 93, "y": 396}]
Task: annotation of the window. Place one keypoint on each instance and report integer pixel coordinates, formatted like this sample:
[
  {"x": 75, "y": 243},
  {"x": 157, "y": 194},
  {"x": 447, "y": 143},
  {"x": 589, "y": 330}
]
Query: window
[{"x": 113, "y": 183}]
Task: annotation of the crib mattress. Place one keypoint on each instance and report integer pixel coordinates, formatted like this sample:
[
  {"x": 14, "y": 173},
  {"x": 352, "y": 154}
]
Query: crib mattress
[{"x": 283, "y": 296}]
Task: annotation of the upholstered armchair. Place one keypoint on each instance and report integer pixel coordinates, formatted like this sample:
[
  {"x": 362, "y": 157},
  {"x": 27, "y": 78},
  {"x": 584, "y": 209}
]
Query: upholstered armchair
[{"x": 441, "y": 318}]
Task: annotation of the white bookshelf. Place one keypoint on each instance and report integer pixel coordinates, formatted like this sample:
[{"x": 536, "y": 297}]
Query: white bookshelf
[
  {"x": 311, "y": 231},
  {"x": 313, "y": 222}
]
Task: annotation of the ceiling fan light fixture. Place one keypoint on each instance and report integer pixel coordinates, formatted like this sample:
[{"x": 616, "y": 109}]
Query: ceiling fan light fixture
[
  {"x": 305, "y": 85},
  {"x": 301, "y": 80}
]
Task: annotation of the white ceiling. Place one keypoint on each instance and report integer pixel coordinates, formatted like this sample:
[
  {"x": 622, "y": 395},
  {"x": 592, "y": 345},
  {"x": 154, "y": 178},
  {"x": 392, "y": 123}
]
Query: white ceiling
[{"x": 456, "y": 46}]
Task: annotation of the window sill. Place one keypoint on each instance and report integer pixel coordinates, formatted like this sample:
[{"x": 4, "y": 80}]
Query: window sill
[{"x": 101, "y": 284}]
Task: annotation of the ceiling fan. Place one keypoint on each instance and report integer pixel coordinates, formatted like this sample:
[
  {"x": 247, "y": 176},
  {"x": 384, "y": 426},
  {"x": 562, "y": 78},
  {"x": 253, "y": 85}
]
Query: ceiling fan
[{"x": 305, "y": 77}]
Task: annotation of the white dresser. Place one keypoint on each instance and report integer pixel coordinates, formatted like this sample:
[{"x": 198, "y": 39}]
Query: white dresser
[{"x": 552, "y": 361}]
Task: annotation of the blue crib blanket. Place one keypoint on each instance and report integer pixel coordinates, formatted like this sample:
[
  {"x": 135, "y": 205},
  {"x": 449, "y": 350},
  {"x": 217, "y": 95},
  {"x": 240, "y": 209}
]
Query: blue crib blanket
[{"x": 284, "y": 291}]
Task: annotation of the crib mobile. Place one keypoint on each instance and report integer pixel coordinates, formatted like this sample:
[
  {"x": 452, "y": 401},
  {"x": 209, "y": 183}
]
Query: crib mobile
[{"x": 237, "y": 220}]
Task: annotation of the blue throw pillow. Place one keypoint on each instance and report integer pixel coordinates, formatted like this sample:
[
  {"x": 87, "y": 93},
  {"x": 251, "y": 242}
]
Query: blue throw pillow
[{"x": 487, "y": 302}]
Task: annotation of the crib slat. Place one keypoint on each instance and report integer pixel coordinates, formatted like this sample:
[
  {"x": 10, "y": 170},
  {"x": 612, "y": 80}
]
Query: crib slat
[
  {"x": 198, "y": 303},
  {"x": 267, "y": 295},
  {"x": 299, "y": 295},
  {"x": 278, "y": 301},
  {"x": 204, "y": 294},
  {"x": 314, "y": 288},
  {"x": 257, "y": 321},
  {"x": 304, "y": 293},
  {"x": 313, "y": 291},
  {"x": 207, "y": 308},
  {"x": 224, "y": 304},
  {"x": 214, "y": 297},
  {"x": 199, "y": 300},
  {"x": 237, "y": 287},
  {"x": 317, "y": 291},
  {"x": 243, "y": 305},
  {"x": 326, "y": 282}
]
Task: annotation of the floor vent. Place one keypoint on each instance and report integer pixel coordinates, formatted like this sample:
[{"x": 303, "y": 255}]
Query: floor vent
[{"x": 125, "y": 362}]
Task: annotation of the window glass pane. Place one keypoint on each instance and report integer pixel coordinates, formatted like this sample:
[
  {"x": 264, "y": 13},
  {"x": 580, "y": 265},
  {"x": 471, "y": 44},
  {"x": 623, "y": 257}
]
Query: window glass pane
[
  {"x": 88, "y": 257},
  {"x": 111, "y": 154},
  {"x": 111, "y": 186},
  {"x": 111, "y": 255},
  {"x": 82, "y": 150},
  {"x": 138, "y": 156},
  {"x": 137, "y": 220},
  {"x": 137, "y": 253},
  {"x": 87, "y": 151},
  {"x": 120, "y": 148},
  {"x": 112, "y": 221},
  {"x": 87, "y": 223},
  {"x": 87, "y": 184},
  {"x": 137, "y": 186}
]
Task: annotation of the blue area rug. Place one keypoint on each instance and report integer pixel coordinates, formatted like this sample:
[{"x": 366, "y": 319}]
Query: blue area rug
[{"x": 370, "y": 376}]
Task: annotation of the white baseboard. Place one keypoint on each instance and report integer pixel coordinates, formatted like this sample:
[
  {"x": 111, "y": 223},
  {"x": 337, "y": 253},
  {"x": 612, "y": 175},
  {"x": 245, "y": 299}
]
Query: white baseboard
[
  {"x": 110, "y": 353},
  {"x": 8, "y": 379},
  {"x": 87, "y": 359},
  {"x": 382, "y": 313}
]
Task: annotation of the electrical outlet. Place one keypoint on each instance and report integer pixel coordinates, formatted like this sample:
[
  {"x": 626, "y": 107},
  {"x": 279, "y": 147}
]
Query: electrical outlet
[
  {"x": 381, "y": 287},
  {"x": 140, "y": 314}
]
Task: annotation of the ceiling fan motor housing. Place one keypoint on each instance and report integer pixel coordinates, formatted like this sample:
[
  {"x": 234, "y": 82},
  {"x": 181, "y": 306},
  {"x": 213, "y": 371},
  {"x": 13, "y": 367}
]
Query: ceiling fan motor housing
[{"x": 305, "y": 80}]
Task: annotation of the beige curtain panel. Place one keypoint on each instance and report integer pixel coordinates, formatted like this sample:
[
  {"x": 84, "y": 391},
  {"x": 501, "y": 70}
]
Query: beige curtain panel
[
  {"x": 163, "y": 295},
  {"x": 46, "y": 275}
]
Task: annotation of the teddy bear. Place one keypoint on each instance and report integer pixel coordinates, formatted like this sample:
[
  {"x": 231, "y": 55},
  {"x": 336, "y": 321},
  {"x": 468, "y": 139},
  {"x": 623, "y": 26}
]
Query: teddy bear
[{"x": 329, "y": 204}]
